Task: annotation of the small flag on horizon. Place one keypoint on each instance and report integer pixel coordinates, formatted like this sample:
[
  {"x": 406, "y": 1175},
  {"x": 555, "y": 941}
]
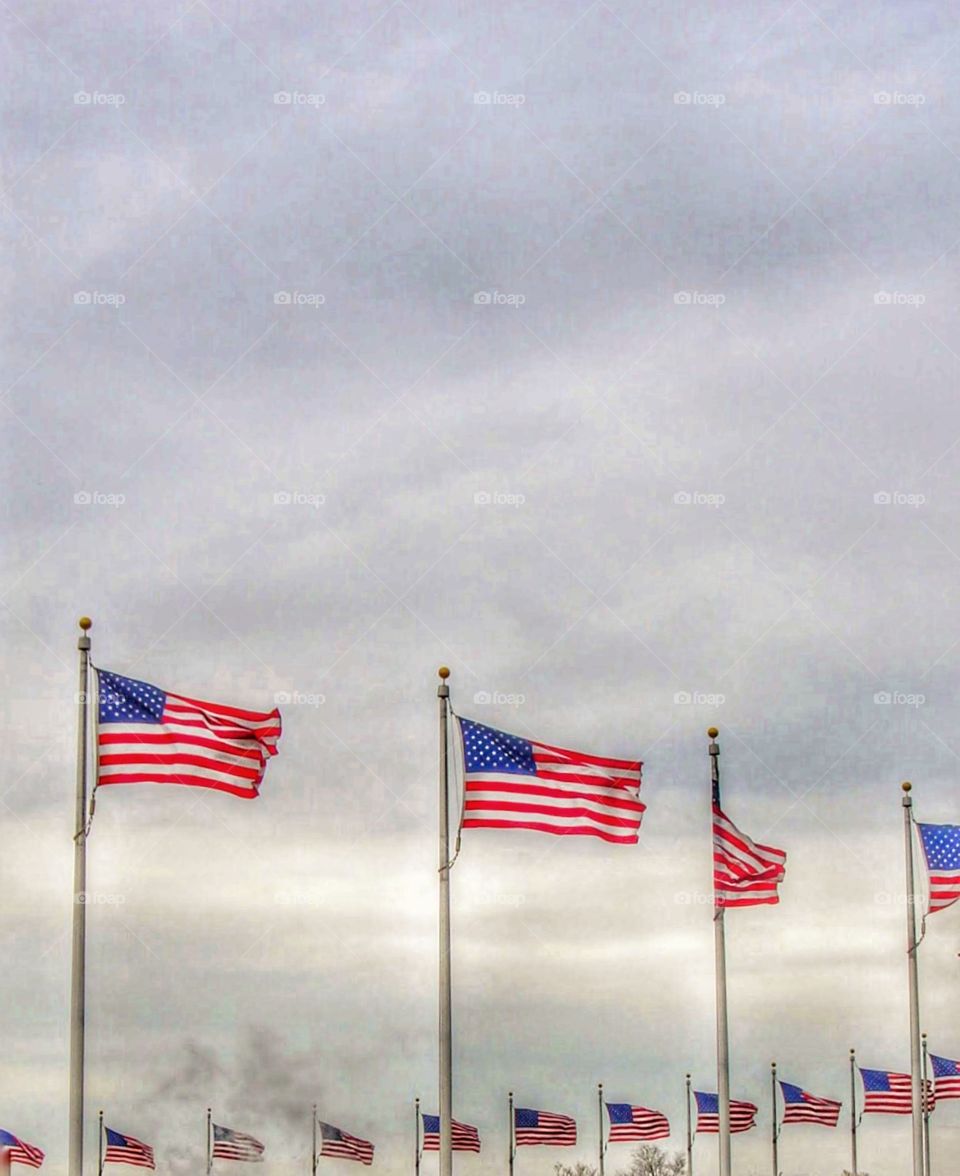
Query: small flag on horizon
[
  {"x": 334, "y": 1142},
  {"x": 801, "y": 1107},
  {"x": 465, "y": 1137},
  {"x": 19, "y": 1151},
  {"x": 742, "y": 1114},
  {"x": 146, "y": 735},
  {"x": 628, "y": 1122},
  {"x": 236, "y": 1145},
  {"x": 946, "y": 1077},
  {"x": 886, "y": 1093},
  {"x": 941, "y": 849},
  {"x": 515, "y": 783},
  {"x": 744, "y": 873},
  {"x": 543, "y": 1127},
  {"x": 124, "y": 1149}
]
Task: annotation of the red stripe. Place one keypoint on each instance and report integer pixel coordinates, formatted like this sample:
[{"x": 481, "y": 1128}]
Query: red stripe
[
  {"x": 218, "y": 708},
  {"x": 180, "y": 778},
  {"x": 560, "y": 830},
  {"x": 513, "y": 806},
  {"x": 578, "y": 757},
  {"x": 107, "y": 740},
  {"x": 588, "y": 781},
  {"x": 193, "y": 761},
  {"x": 557, "y": 793}
]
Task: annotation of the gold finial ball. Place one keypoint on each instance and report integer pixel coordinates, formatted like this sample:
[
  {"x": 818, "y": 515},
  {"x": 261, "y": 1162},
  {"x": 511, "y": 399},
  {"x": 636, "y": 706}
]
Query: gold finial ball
[
  {"x": 444, "y": 672},
  {"x": 85, "y": 623},
  {"x": 906, "y": 785},
  {"x": 712, "y": 732}
]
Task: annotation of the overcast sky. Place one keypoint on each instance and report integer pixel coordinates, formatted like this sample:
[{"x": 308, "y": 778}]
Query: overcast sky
[{"x": 605, "y": 352}]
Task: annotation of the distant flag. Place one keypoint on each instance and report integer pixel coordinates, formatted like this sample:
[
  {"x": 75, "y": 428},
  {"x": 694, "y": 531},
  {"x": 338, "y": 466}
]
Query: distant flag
[
  {"x": 515, "y": 783},
  {"x": 801, "y": 1107},
  {"x": 146, "y": 735},
  {"x": 124, "y": 1149},
  {"x": 886, "y": 1093},
  {"x": 334, "y": 1142},
  {"x": 630, "y": 1123},
  {"x": 744, "y": 873},
  {"x": 465, "y": 1137},
  {"x": 536, "y": 1127},
  {"x": 941, "y": 848},
  {"x": 236, "y": 1145},
  {"x": 946, "y": 1077},
  {"x": 20, "y": 1152},
  {"x": 742, "y": 1114}
]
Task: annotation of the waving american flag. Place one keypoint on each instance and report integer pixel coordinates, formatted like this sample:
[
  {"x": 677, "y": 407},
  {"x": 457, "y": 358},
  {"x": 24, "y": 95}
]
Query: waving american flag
[
  {"x": 742, "y": 1114},
  {"x": 464, "y": 1137},
  {"x": 628, "y": 1123},
  {"x": 801, "y": 1107},
  {"x": 744, "y": 873},
  {"x": 20, "y": 1152},
  {"x": 124, "y": 1149},
  {"x": 941, "y": 849}
]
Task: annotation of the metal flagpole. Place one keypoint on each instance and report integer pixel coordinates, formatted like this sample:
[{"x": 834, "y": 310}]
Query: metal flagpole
[
  {"x": 313, "y": 1154},
  {"x": 100, "y": 1146},
  {"x": 446, "y": 1025},
  {"x": 853, "y": 1113},
  {"x": 926, "y": 1108},
  {"x": 720, "y": 951},
  {"x": 775, "y": 1131},
  {"x": 916, "y": 1082},
  {"x": 78, "y": 965},
  {"x": 689, "y": 1132},
  {"x": 511, "y": 1136},
  {"x": 416, "y": 1137},
  {"x": 209, "y": 1152},
  {"x": 600, "y": 1123}
]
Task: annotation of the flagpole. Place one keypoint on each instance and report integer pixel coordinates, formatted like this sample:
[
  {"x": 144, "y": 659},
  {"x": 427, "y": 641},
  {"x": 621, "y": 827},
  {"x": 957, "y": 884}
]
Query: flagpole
[
  {"x": 100, "y": 1146},
  {"x": 600, "y": 1123},
  {"x": 446, "y": 1024},
  {"x": 79, "y": 957},
  {"x": 926, "y": 1108},
  {"x": 775, "y": 1130},
  {"x": 853, "y": 1113},
  {"x": 416, "y": 1137},
  {"x": 689, "y": 1132},
  {"x": 209, "y": 1152},
  {"x": 313, "y": 1160},
  {"x": 916, "y": 1083},
  {"x": 720, "y": 952},
  {"x": 512, "y": 1149}
]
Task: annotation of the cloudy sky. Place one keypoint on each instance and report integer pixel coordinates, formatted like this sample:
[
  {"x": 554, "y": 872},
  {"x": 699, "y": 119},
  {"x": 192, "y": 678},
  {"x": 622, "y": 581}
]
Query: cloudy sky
[{"x": 605, "y": 351}]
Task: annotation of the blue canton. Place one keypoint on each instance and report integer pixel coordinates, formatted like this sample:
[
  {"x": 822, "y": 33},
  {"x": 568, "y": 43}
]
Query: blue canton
[
  {"x": 487, "y": 750},
  {"x": 941, "y": 844},
  {"x": 125, "y": 700}
]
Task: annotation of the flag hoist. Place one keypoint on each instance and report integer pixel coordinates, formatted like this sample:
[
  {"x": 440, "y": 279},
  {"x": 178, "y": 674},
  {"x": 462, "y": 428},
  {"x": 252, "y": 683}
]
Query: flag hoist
[
  {"x": 446, "y": 1023},
  {"x": 916, "y": 1076}
]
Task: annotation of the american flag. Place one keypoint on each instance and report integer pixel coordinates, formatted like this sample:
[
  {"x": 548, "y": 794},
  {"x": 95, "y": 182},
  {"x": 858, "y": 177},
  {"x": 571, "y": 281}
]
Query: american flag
[
  {"x": 941, "y": 848},
  {"x": 465, "y": 1137},
  {"x": 742, "y": 1114},
  {"x": 533, "y": 1127},
  {"x": 744, "y": 873},
  {"x": 946, "y": 1077},
  {"x": 148, "y": 736},
  {"x": 20, "y": 1152},
  {"x": 124, "y": 1149},
  {"x": 628, "y": 1123},
  {"x": 890, "y": 1094},
  {"x": 801, "y": 1107},
  {"x": 514, "y": 783},
  {"x": 236, "y": 1145},
  {"x": 334, "y": 1142}
]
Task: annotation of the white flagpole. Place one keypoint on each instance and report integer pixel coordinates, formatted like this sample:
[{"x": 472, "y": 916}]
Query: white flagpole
[
  {"x": 926, "y": 1108},
  {"x": 209, "y": 1151},
  {"x": 918, "y": 1099},
  {"x": 689, "y": 1132},
  {"x": 313, "y": 1132},
  {"x": 775, "y": 1131},
  {"x": 446, "y": 1020},
  {"x": 600, "y": 1122},
  {"x": 853, "y": 1113},
  {"x": 720, "y": 953},
  {"x": 79, "y": 957}
]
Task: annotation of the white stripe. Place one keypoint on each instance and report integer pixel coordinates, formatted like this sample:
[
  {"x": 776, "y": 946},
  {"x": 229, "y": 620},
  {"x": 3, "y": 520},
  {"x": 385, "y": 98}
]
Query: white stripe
[
  {"x": 562, "y": 807},
  {"x": 594, "y": 795},
  {"x": 135, "y": 746},
  {"x": 170, "y": 773}
]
